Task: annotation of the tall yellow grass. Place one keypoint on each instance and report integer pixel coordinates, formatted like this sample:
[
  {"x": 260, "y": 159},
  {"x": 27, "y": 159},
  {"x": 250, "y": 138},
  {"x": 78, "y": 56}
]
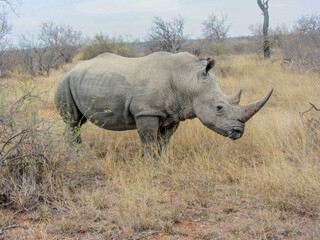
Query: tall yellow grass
[{"x": 269, "y": 178}]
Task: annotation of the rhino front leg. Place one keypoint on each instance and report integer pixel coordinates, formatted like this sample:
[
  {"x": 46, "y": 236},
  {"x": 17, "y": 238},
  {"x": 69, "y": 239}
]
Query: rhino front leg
[
  {"x": 148, "y": 128},
  {"x": 165, "y": 134}
]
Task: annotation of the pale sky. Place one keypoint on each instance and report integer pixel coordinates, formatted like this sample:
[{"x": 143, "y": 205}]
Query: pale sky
[{"x": 134, "y": 17}]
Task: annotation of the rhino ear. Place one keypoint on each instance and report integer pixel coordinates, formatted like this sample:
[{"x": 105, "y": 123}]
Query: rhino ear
[
  {"x": 204, "y": 72},
  {"x": 210, "y": 65}
]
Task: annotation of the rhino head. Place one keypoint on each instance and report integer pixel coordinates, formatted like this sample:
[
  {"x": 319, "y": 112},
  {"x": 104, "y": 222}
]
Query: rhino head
[{"x": 219, "y": 112}]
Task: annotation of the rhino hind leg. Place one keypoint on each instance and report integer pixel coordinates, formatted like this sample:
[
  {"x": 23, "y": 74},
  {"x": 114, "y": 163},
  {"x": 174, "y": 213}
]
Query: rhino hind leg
[
  {"x": 165, "y": 134},
  {"x": 74, "y": 119},
  {"x": 73, "y": 130},
  {"x": 69, "y": 110}
]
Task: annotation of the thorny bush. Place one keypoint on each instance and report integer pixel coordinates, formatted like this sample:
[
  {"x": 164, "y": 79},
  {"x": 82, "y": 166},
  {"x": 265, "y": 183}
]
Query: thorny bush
[{"x": 32, "y": 151}]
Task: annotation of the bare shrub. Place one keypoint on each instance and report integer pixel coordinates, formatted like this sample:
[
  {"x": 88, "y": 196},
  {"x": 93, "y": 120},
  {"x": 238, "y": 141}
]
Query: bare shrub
[
  {"x": 215, "y": 28},
  {"x": 311, "y": 121},
  {"x": 215, "y": 31},
  {"x": 32, "y": 152},
  {"x": 63, "y": 39},
  {"x": 37, "y": 56},
  {"x": 5, "y": 29},
  {"x": 256, "y": 40},
  {"x": 29, "y": 56},
  {"x": 308, "y": 30},
  {"x": 8, "y": 60},
  {"x": 301, "y": 44},
  {"x": 198, "y": 47},
  {"x": 52, "y": 47},
  {"x": 167, "y": 36},
  {"x": 309, "y": 25},
  {"x": 240, "y": 46}
]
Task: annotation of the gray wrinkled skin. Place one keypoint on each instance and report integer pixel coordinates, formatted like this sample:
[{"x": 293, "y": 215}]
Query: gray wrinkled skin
[{"x": 151, "y": 94}]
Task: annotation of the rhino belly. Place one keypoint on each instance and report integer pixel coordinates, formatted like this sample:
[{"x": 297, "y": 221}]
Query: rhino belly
[{"x": 111, "y": 118}]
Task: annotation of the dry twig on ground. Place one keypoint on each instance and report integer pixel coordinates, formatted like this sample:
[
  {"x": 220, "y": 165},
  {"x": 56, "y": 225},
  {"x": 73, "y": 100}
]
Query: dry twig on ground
[{"x": 312, "y": 106}]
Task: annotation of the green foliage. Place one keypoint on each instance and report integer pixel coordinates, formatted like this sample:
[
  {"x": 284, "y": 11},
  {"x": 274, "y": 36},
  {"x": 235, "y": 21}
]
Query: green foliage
[
  {"x": 103, "y": 43},
  {"x": 218, "y": 49}
]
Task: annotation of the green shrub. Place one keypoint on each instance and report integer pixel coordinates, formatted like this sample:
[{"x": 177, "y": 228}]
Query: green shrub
[
  {"x": 218, "y": 49},
  {"x": 102, "y": 44}
]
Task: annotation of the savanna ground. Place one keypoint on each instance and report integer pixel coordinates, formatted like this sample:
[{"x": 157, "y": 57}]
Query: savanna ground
[{"x": 265, "y": 185}]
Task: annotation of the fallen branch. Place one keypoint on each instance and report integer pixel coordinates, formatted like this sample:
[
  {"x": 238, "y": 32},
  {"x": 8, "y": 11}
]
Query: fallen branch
[
  {"x": 6, "y": 228},
  {"x": 312, "y": 106}
]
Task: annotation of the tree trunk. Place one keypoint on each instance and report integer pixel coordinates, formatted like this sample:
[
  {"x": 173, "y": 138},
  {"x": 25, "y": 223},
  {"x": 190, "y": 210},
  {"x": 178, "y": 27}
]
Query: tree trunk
[{"x": 264, "y": 6}]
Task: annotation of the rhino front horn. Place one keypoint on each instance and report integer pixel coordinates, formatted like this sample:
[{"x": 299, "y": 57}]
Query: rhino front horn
[{"x": 247, "y": 111}]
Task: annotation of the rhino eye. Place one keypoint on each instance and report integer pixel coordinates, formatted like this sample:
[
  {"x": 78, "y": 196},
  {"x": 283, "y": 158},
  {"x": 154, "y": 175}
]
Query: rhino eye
[{"x": 219, "y": 107}]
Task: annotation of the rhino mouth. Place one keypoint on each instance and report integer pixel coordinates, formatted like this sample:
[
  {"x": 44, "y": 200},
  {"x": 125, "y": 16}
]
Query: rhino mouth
[{"x": 235, "y": 134}]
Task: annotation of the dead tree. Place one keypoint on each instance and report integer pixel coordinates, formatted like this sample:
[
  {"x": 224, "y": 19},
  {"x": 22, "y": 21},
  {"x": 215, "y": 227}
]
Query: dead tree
[{"x": 264, "y": 6}]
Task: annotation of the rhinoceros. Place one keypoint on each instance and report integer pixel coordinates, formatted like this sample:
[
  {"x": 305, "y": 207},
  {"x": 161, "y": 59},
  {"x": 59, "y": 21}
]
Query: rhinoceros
[{"x": 152, "y": 94}]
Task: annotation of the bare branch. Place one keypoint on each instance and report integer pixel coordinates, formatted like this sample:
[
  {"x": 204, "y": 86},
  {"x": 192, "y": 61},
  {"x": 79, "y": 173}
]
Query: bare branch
[
  {"x": 9, "y": 140},
  {"x": 7, "y": 227},
  {"x": 312, "y": 107},
  {"x": 5, "y": 28},
  {"x": 263, "y": 4},
  {"x": 12, "y": 4}
]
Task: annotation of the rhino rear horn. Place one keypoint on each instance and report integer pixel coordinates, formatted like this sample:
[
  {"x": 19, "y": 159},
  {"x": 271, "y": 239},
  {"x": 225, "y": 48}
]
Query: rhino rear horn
[
  {"x": 234, "y": 99},
  {"x": 247, "y": 111}
]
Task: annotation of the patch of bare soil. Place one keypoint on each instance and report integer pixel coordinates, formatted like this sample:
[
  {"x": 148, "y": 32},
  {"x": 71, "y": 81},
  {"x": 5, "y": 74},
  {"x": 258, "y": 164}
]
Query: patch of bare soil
[{"x": 48, "y": 112}]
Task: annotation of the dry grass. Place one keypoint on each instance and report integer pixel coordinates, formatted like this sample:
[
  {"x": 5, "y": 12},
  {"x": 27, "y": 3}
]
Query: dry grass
[{"x": 265, "y": 185}]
